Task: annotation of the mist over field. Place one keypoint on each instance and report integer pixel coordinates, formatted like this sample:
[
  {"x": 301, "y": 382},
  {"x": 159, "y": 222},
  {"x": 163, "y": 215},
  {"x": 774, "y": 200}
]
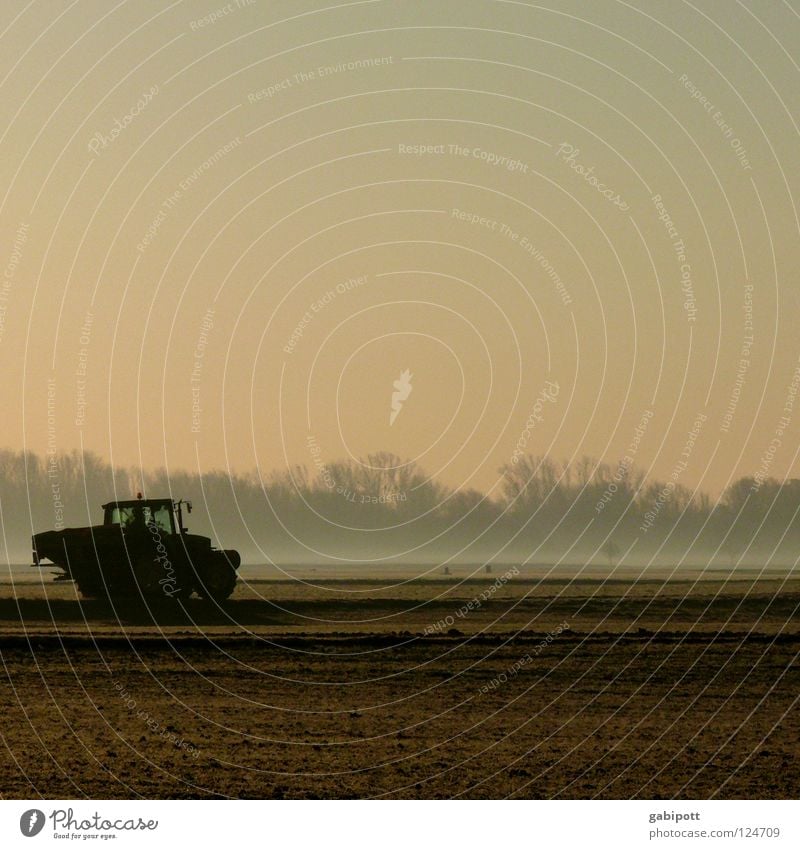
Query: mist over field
[{"x": 385, "y": 509}]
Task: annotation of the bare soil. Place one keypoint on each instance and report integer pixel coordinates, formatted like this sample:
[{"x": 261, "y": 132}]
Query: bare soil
[{"x": 575, "y": 687}]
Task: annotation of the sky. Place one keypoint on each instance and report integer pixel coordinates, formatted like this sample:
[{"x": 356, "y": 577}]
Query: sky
[{"x": 228, "y": 230}]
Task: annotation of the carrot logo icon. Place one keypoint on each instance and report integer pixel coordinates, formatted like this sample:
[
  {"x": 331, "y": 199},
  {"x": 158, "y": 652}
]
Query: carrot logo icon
[
  {"x": 402, "y": 387},
  {"x": 31, "y": 822}
]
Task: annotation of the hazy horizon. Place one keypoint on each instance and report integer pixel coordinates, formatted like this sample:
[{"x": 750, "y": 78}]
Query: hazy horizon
[
  {"x": 221, "y": 251},
  {"x": 381, "y": 511}
]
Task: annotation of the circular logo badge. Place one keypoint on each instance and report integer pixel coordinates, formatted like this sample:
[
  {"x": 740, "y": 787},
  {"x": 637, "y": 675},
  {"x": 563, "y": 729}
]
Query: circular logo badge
[{"x": 31, "y": 822}]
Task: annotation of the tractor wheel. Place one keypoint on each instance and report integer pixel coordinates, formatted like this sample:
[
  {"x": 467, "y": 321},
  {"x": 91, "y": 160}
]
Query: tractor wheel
[
  {"x": 217, "y": 578},
  {"x": 91, "y": 591},
  {"x": 147, "y": 573},
  {"x": 158, "y": 580},
  {"x": 90, "y": 585}
]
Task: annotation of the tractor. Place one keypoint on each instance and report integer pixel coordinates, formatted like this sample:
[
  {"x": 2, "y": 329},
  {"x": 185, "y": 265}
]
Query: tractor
[{"x": 141, "y": 551}]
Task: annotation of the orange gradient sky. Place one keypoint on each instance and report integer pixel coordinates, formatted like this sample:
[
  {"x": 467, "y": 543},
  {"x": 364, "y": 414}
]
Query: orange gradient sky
[{"x": 482, "y": 173}]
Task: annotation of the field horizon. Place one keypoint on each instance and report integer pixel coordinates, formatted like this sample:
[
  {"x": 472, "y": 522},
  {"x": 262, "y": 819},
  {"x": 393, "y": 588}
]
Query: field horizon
[{"x": 547, "y": 686}]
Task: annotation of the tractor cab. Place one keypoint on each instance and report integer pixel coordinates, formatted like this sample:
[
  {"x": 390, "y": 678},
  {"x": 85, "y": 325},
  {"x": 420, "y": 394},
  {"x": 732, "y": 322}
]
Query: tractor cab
[{"x": 162, "y": 515}]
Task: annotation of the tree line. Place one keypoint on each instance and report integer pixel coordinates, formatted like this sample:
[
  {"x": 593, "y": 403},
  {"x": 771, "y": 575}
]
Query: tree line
[{"x": 383, "y": 505}]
